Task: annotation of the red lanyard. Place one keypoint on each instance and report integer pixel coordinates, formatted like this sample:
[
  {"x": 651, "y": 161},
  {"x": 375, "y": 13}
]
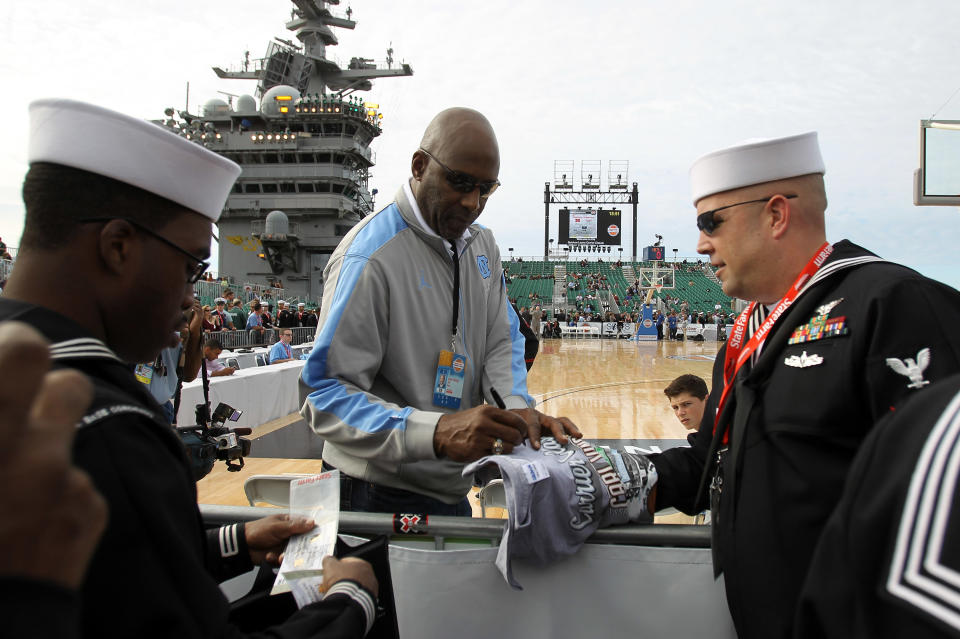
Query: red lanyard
[{"x": 739, "y": 353}]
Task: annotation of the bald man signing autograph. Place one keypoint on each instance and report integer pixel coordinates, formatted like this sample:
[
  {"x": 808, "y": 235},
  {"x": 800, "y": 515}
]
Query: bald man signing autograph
[{"x": 415, "y": 329}]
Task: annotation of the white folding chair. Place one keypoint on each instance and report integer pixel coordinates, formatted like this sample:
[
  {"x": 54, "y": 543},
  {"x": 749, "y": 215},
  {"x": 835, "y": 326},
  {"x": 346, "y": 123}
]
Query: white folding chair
[
  {"x": 261, "y": 360},
  {"x": 272, "y": 489},
  {"x": 232, "y": 362},
  {"x": 492, "y": 495}
]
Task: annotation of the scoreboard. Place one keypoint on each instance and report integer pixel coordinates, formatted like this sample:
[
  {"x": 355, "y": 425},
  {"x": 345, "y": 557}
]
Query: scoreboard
[
  {"x": 653, "y": 253},
  {"x": 590, "y": 227}
]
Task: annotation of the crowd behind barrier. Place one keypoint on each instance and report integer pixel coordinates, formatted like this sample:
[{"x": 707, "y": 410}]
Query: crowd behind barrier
[{"x": 601, "y": 286}]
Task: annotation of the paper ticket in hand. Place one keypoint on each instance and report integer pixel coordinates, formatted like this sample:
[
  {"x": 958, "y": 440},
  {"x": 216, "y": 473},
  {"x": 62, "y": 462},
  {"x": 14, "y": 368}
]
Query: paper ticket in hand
[{"x": 316, "y": 498}]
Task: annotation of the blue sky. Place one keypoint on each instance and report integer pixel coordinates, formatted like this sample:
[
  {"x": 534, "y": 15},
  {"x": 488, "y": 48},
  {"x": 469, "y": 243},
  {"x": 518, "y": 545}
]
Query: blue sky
[{"x": 656, "y": 84}]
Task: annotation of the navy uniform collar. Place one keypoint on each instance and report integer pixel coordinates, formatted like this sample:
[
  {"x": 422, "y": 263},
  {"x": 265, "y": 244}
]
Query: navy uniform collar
[{"x": 69, "y": 340}]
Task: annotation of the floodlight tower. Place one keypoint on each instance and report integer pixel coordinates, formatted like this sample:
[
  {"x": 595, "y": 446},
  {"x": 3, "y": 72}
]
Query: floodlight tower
[{"x": 564, "y": 191}]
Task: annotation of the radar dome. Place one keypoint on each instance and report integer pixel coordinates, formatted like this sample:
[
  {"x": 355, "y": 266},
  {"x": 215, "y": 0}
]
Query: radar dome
[
  {"x": 246, "y": 104},
  {"x": 279, "y": 98},
  {"x": 276, "y": 224},
  {"x": 215, "y": 106}
]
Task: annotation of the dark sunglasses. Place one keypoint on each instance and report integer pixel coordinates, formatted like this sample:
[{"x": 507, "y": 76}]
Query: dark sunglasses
[
  {"x": 708, "y": 223},
  {"x": 464, "y": 182},
  {"x": 197, "y": 270}
]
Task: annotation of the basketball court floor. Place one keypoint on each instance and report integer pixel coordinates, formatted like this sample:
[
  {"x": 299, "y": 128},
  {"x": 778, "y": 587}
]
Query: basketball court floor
[{"x": 612, "y": 389}]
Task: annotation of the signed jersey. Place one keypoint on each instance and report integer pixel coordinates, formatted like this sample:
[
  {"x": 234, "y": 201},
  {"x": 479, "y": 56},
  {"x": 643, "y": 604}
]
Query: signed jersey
[{"x": 559, "y": 495}]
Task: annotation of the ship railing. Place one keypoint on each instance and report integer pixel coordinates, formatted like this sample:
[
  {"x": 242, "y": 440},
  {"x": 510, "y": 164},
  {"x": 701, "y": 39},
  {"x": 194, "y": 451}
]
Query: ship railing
[
  {"x": 204, "y": 290},
  {"x": 369, "y": 64}
]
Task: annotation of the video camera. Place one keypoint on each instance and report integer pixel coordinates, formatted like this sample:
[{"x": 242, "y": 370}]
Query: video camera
[{"x": 211, "y": 440}]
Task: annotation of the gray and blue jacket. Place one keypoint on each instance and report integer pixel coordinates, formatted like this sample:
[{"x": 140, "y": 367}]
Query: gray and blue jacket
[{"x": 385, "y": 317}]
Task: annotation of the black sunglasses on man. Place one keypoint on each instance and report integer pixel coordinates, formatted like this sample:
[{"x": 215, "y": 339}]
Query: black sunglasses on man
[
  {"x": 464, "y": 182},
  {"x": 708, "y": 223}
]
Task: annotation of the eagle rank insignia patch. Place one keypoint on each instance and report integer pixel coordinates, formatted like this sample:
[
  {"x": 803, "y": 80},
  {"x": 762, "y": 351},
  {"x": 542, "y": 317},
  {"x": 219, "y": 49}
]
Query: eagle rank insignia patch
[
  {"x": 912, "y": 369},
  {"x": 820, "y": 326}
]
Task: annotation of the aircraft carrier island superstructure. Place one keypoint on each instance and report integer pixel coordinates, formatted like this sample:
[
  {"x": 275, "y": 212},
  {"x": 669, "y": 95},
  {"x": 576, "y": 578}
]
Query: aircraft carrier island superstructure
[{"x": 305, "y": 152}]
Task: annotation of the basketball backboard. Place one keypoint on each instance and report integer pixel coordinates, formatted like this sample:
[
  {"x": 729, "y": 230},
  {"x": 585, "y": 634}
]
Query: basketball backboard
[{"x": 651, "y": 277}]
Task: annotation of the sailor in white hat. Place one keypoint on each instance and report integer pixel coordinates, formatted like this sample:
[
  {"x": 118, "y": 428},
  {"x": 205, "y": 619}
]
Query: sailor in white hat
[
  {"x": 286, "y": 316},
  {"x": 126, "y": 208},
  {"x": 739, "y": 185},
  {"x": 119, "y": 214},
  {"x": 805, "y": 373}
]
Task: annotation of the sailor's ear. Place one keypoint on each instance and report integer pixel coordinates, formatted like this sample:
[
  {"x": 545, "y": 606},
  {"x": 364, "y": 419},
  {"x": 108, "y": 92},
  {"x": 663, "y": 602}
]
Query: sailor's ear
[{"x": 117, "y": 243}]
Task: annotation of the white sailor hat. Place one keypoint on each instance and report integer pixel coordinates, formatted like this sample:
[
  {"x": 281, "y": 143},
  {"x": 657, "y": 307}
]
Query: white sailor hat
[
  {"x": 140, "y": 153},
  {"x": 281, "y": 303},
  {"x": 220, "y": 300},
  {"x": 755, "y": 162},
  {"x": 301, "y": 304}
]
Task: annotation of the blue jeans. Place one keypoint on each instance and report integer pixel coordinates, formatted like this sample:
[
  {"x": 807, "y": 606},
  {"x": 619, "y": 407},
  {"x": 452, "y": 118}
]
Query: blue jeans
[{"x": 357, "y": 495}]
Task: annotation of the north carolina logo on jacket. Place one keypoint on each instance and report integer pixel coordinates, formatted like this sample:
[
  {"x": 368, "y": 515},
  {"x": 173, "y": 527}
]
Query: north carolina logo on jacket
[{"x": 483, "y": 265}]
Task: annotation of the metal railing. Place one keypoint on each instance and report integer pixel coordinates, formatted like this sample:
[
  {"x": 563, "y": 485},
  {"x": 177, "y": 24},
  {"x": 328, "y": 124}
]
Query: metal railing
[
  {"x": 243, "y": 338},
  {"x": 233, "y": 340},
  {"x": 441, "y": 528}
]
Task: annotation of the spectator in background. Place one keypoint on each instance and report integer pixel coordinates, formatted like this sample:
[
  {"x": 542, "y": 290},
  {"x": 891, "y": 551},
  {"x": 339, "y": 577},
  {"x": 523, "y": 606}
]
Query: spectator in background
[
  {"x": 311, "y": 318},
  {"x": 267, "y": 317},
  {"x": 301, "y": 314},
  {"x": 682, "y": 326},
  {"x": 255, "y": 323},
  {"x": 209, "y": 322},
  {"x": 211, "y": 351},
  {"x": 688, "y": 399},
  {"x": 286, "y": 317},
  {"x": 672, "y": 325},
  {"x": 281, "y": 351},
  {"x": 238, "y": 314},
  {"x": 221, "y": 317},
  {"x": 535, "y": 317}
]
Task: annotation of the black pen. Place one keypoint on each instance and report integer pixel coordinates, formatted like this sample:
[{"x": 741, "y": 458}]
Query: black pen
[{"x": 497, "y": 398}]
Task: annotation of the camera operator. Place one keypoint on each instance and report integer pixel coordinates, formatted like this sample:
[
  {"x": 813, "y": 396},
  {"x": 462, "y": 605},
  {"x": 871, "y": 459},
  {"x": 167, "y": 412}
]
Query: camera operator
[{"x": 132, "y": 223}]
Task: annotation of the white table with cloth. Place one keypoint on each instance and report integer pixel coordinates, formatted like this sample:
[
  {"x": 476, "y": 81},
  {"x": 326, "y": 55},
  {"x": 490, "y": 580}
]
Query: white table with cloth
[
  {"x": 249, "y": 359},
  {"x": 263, "y": 393}
]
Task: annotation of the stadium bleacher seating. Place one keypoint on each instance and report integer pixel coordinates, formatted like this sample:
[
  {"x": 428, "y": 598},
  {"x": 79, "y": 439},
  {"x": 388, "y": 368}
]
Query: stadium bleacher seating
[{"x": 692, "y": 285}]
